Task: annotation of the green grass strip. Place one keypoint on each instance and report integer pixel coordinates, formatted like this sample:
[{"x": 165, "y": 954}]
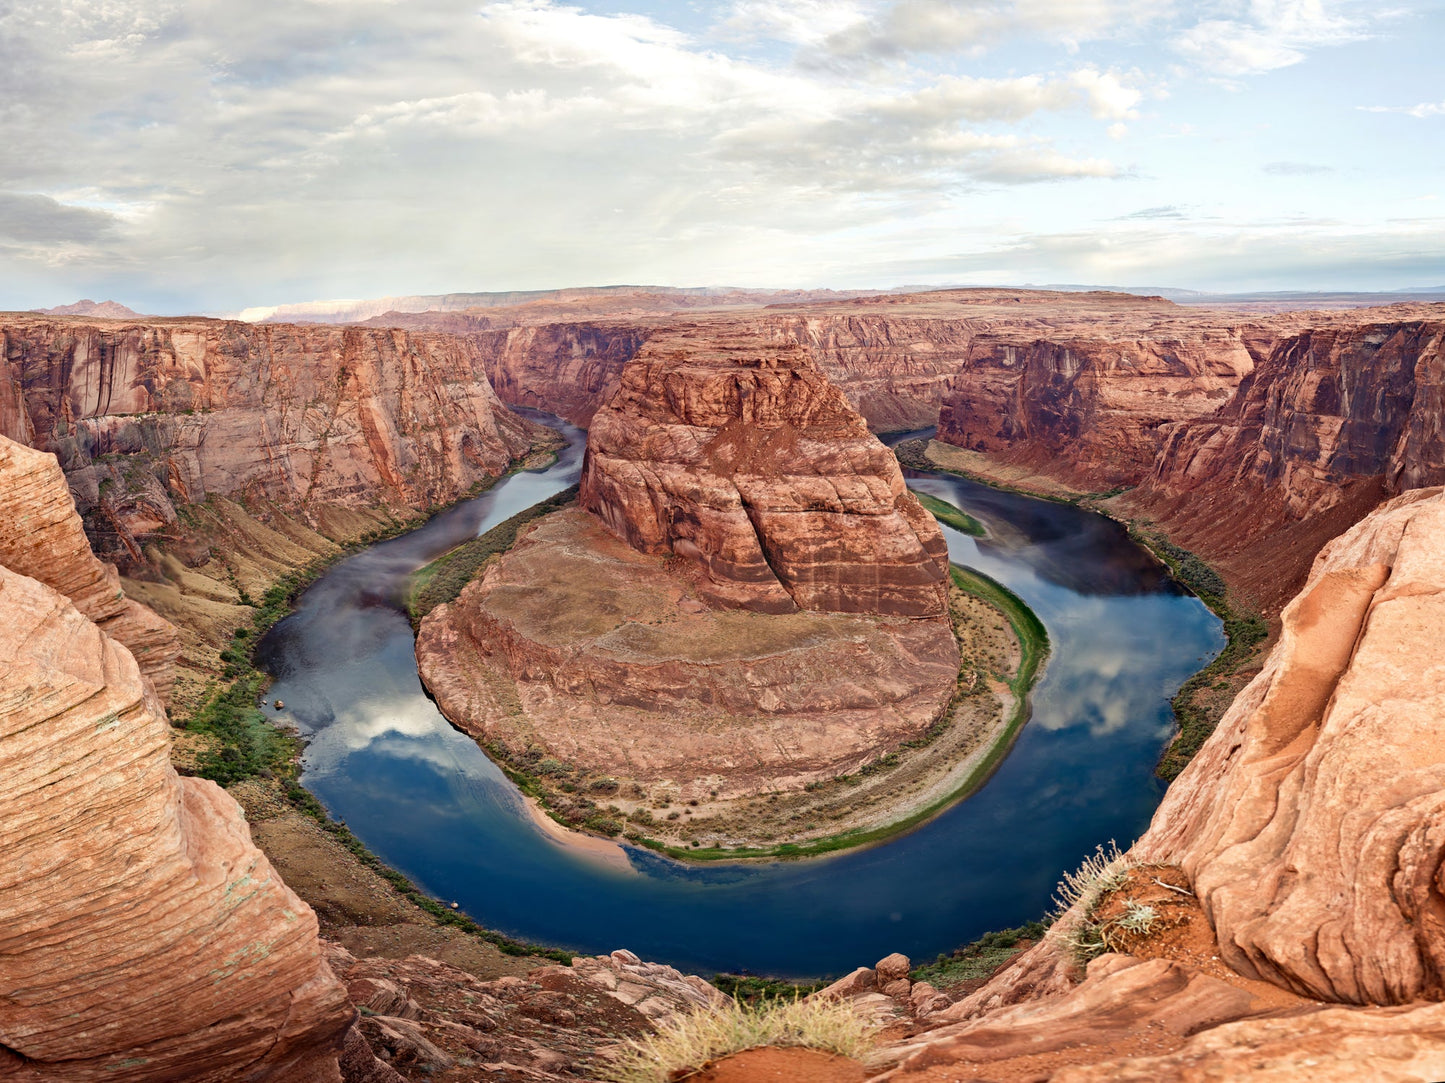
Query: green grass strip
[
  {"x": 952, "y": 515},
  {"x": 439, "y": 582},
  {"x": 1033, "y": 641}
]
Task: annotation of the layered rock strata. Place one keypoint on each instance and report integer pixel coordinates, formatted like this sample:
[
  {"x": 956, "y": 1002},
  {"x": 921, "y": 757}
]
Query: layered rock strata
[
  {"x": 1309, "y": 829},
  {"x": 741, "y": 456},
  {"x": 142, "y": 936},
  {"x": 145, "y": 416},
  {"x": 1331, "y": 423},
  {"x": 41, "y": 536}
]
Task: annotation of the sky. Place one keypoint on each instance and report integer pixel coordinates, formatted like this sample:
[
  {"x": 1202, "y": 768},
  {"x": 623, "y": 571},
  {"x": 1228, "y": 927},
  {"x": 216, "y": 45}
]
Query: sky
[{"x": 209, "y": 155}]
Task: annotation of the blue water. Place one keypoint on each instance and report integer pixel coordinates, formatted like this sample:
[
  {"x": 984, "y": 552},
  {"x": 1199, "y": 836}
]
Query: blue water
[{"x": 428, "y": 802}]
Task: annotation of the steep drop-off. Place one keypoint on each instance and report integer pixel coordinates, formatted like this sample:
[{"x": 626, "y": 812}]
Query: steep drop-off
[
  {"x": 142, "y": 936},
  {"x": 1334, "y": 421},
  {"x": 145, "y": 417},
  {"x": 1309, "y": 831}
]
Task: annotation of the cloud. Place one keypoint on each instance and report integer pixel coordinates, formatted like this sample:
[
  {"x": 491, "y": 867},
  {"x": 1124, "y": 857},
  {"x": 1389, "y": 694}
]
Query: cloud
[
  {"x": 1264, "y": 35},
  {"x": 1420, "y": 112},
  {"x": 891, "y": 31},
  {"x": 1153, "y": 213},
  {"x": 1295, "y": 169},
  {"x": 39, "y": 219}
]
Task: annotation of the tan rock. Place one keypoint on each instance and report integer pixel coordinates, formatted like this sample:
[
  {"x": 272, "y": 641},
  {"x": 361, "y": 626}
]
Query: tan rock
[
  {"x": 1310, "y": 822},
  {"x": 862, "y": 980},
  {"x": 41, "y": 536},
  {"x": 142, "y": 935},
  {"x": 892, "y": 967},
  {"x": 897, "y": 989}
]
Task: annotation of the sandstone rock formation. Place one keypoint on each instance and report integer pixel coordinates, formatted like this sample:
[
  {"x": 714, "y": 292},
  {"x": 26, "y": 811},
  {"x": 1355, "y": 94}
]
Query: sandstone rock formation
[
  {"x": 608, "y": 659},
  {"x": 147, "y": 415},
  {"x": 1335, "y": 420},
  {"x": 142, "y": 936},
  {"x": 1311, "y": 824},
  {"x": 41, "y": 536},
  {"x": 741, "y": 456},
  {"x": 1309, "y": 827}
]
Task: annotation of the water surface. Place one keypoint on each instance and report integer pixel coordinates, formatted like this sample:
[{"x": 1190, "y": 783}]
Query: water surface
[{"x": 428, "y": 802}]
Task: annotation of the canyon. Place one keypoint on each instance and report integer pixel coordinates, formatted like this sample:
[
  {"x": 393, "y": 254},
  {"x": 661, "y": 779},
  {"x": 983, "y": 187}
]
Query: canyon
[
  {"x": 1304, "y": 834},
  {"x": 747, "y": 601}
]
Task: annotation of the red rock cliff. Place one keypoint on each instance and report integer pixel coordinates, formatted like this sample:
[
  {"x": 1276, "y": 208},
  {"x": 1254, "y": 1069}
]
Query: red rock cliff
[
  {"x": 741, "y": 456},
  {"x": 142, "y": 936},
  {"x": 1335, "y": 420},
  {"x": 144, "y": 416}
]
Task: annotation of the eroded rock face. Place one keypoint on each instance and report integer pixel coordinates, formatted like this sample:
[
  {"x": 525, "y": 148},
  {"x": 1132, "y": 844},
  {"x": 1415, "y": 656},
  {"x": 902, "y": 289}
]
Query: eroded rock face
[
  {"x": 741, "y": 456},
  {"x": 1311, "y": 822},
  {"x": 41, "y": 536},
  {"x": 1091, "y": 407},
  {"x": 147, "y": 415},
  {"x": 142, "y": 936},
  {"x": 1335, "y": 420}
]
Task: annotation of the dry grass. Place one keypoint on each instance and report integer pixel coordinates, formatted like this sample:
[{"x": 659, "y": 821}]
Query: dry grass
[{"x": 687, "y": 1043}]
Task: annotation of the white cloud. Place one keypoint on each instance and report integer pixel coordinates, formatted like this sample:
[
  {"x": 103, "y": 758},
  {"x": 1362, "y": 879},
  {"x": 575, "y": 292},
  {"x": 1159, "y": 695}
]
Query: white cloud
[
  {"x": 1420, "y": 112},
  {"x": 1263, "y": 35}
]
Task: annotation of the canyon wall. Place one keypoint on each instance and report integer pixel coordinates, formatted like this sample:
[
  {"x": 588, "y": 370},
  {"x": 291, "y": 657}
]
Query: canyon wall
[
  {"x": 1310, "y": 941},
  {"x": 142, "y": 936},
  {"x": 147, "y": 416},
  {"x": 739, "y": 455},
  {"x": 1331, "y": 423}
]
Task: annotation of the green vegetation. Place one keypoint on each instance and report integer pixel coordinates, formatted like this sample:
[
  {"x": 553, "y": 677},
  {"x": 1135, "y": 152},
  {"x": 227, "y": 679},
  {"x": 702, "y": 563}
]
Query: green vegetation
[
  {"x": 752, "y": 990},
  {"x": 247, "y": 745},
  {"x": 443, "y": 579},
  {"x": 1244, "y": 632},
  {"x": 1033, "y": 641},
  {"x": 980, "y": 958},
  {"x": 954, "y": 516},
  {"x": 686, "y": 1043},
  {"x": 1032, "y": 636}
]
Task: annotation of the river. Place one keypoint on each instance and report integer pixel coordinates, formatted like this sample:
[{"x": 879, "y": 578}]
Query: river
[{"x": 426, "y": 800}]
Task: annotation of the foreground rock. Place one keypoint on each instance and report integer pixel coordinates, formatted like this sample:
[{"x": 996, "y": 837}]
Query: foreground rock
[
  {"x": 1308, "y": 829},
  {"x": 739, "y": 455},
  {"x": 424, "y": 1020},
  {"x": 41, "y": 535},
  {"x": 142, "y": 936}
]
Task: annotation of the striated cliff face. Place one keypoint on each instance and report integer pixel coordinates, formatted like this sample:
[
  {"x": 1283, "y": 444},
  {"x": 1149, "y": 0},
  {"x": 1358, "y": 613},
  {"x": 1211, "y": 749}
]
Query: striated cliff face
[
  {"x": 1335, "y": 420},
  {"x": 144, "y": 417},
  {"x": 142, "y": 936},
  {"x": 1091, "y": 408},
  {"x": 741, "y": 456},
  {"x": 41, "y": 536},
  {"x": 1309, "y": 830}
]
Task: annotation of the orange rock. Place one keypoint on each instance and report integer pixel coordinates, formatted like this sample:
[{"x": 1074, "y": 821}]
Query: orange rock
[
  {"x": 742, "y": 457},
  {"x": 41, "y": 536},
  {"x": 142, "y": 935}
]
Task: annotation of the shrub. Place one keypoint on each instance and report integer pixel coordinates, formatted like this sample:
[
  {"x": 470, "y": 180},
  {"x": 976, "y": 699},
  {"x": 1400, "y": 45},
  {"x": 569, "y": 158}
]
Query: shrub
[{"x": 686, "y": 1043}]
